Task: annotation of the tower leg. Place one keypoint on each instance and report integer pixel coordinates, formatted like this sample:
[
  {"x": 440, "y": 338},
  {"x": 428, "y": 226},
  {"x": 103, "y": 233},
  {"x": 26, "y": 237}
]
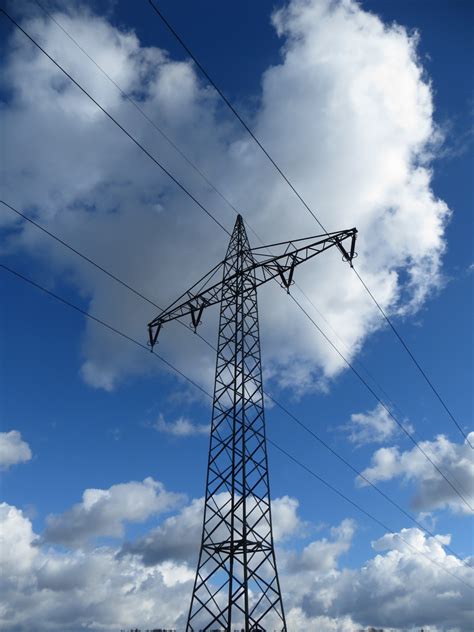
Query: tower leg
[{"x": 237, "y": 584}]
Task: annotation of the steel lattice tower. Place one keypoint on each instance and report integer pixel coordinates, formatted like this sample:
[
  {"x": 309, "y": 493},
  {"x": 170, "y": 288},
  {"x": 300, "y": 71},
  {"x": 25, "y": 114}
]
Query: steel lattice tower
[
  {"x": 237, "y": 581},
  {"x": 237, "y": 542}
]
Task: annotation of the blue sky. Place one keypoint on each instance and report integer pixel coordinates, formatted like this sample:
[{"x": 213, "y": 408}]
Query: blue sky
[{"x": 94, "y": 428}]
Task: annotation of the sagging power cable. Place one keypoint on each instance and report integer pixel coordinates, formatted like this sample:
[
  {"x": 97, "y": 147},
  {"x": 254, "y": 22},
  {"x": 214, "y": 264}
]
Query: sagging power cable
[
  {"x": 125, "y": 336},
  {"x": 282, "y": 173}
]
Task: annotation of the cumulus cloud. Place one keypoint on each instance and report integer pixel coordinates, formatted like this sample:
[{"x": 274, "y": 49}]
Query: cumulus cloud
[
  {"x": 181, "y": 427},
  {"x": 103, "y": 512},
  {"x": 45, "y": 590},
  {"x": 455, "y": 460},
  {"x": 285, "y": 518},
  {"x": 355, "y": 137},
  {"x": 13, "y": 449},
  {"x": 16, "y": 537},
  {"x": 322, "y": 555},
  {"x": 104, "y": 589},
  {"x": 178, "y": 537},
  {"x": 397, "y": 589},
  {"x": 374, "y": 426}
]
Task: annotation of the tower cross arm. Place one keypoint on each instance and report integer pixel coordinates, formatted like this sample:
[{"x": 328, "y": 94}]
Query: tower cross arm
[
  {"x": 262, "y": 265},
  {"x": 282, "y": 265}
]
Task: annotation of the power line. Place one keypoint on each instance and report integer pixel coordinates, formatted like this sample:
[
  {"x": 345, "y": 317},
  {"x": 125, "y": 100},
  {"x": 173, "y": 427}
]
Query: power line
[
  {"x": 153, "y": 123},
  {"x": 96, "y": 265},
  {"x": 205, "y": 392},
  {"x": 159, "y": 165},
  {"x": 80, "y": 254},
  {"x": 119, "y": 125},
  {"x": 308, "y": 208},
  {"x": 357, "y": 506},
  {"x": 202, "y": 175},
  {"x": 371, "y": 390},
  {"x": 197, "y": 170},
  {"x": 233, "y": 110},
  {"x": 410, "y": 353},
  {"x": 100, "y": 322},
  {"x": 147, "y": 153},
  {"x": 219, "y": 224},
  {"x": 346, "y": 347},
  {"x": 275, "y": 401},
  {"x": 361, "y": 475},
  {"x": 134, "y": 140},
  {"x": 201, "y": 206}
]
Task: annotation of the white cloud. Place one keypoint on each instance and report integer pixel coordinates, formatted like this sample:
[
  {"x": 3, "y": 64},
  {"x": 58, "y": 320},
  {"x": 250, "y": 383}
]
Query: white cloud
[
  {"x": 285, "y": 519},
  {"x": 16, "y": 538},
  {"x": 397, "y": 589},
  {"x": 179, "y": 536},
  {"x": 48, "y": 591},
  {"x": 181, "y": 427},
  {"x": 103, "y": 589},
  {"x": 322, "y": 555},
  {"x": 103, "y": 512},
  {"x": 13, "y": 449},
  {"x": 347, "y": 113},
  {"x": 374, "y": 426},
  {"x": 455, "y": 460}
]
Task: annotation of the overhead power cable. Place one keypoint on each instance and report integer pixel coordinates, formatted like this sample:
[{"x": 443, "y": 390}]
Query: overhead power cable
[
  {"x": 207, "y": 394},
  {"x": 126, "y": 132},
  {"x": 199, "y": 172},
  {"x": 111, "y": 275},
  {"x": 308, "y": 208},
  {"x": 216, "y": 190},
  {"x": 119, "y": 125},
  {"x": 417, "y": 364},
  {"x": 354, "y": 504},
  {"x": 158, "y": 164},
  {"x": 148, "y": 154},
  {"x": 345, "y": 346},
  {"x": 361, "y": 475},
  {"x": 79, "y": 254},
  {"x": 389, "y": 412},
  {"x": 166, "y": 137},
  {"x": 139, "y": 109},
  {"x": 233, "y": 110},
  {"x": 295, "y": 419},
  {"x": 100, "y": 322},
  {"x": 191, "y": 164}
]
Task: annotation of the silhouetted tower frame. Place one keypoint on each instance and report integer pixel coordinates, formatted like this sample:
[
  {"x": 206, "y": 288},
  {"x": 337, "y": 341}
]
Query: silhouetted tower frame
[{"x": 237, "y": 581}]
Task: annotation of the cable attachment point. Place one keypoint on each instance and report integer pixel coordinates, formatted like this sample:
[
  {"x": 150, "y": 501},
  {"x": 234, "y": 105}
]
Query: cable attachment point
[
  {"x": 153, "y": 332},
  {"x": 348, "y": 257},
  {"x": 196, "y": 313},
  {"x": 286, "y": 273}
]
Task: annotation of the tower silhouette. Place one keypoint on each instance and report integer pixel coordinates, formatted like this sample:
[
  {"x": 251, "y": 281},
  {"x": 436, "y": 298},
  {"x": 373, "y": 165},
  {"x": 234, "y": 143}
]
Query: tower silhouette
[{"x": 237, "y": 584}]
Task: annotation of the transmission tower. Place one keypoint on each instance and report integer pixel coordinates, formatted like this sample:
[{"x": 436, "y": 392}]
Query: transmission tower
[{"x": 237, "y": 583}]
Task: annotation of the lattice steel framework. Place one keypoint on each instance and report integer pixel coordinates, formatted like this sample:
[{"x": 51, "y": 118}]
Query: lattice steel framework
[{"x": 237, "y": 584}]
